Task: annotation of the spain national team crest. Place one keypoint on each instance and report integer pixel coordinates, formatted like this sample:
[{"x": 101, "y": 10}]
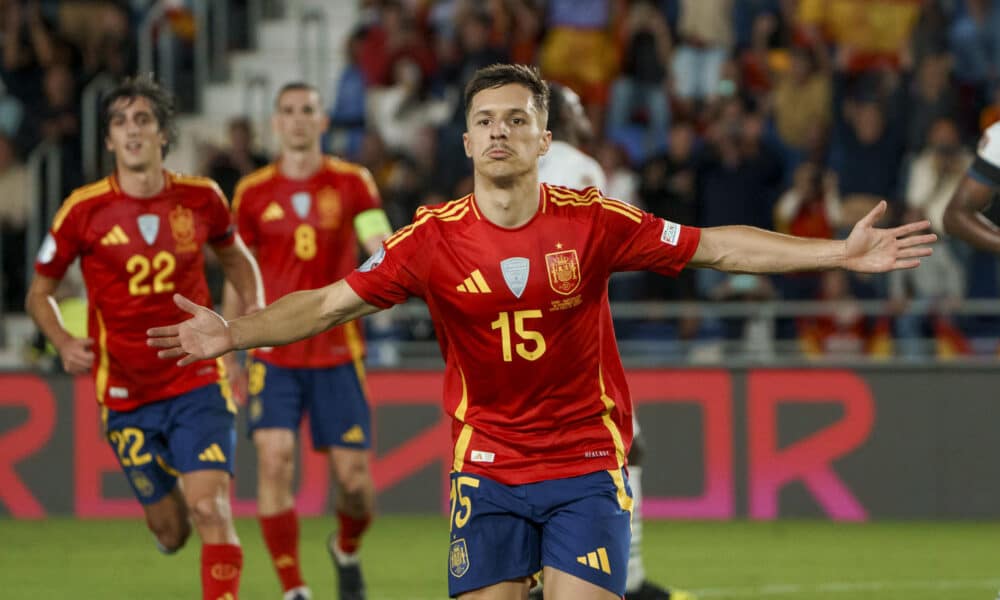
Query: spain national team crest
[
  {"x": 564, "y": 271},
  {"x": 458, "y": 558},
  {"x": 142, "y": 484},
  {"x": 328, "y": 207},
  {"x": 182, "y": 228}
]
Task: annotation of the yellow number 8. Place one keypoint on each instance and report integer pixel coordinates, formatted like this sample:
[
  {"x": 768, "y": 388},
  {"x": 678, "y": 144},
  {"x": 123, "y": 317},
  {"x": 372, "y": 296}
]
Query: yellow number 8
[{"x": 305, "y": 242}]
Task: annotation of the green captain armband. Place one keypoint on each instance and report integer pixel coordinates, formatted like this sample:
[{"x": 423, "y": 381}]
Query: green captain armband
[{"x": 370, "y": 223}]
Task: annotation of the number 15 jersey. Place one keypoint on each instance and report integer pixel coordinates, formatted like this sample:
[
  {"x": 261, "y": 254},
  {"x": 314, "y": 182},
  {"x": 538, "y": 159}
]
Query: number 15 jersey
[{"x": 533, "y": 379}]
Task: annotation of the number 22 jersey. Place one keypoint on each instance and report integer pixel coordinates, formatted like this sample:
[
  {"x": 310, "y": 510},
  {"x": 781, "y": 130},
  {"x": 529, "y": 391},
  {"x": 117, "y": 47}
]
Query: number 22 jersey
[
  {"x": 135, "y": 253},
  {"x": 533, "y": 379}
]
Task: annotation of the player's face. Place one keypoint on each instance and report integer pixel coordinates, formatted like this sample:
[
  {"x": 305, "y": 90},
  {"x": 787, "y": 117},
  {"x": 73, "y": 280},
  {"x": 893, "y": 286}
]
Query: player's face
[
  {"x": 299, "y": 121},
  {"x": 134, "y": 135},
  {"x": 505, "y": 135}
]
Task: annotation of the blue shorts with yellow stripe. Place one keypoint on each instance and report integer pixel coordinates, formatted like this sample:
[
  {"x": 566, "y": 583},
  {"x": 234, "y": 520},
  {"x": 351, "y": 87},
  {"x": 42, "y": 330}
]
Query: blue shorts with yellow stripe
[
  {"x": 334, "y": 398},
  {"x": 157, "y": 442},
  {"x": 578, "y": 525}
]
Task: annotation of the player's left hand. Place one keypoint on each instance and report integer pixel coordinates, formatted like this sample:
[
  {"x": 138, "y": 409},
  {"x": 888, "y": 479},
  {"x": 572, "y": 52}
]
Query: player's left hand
[
  {"x": 873, "y": 250},
  {"x": 205, "y": 335}
]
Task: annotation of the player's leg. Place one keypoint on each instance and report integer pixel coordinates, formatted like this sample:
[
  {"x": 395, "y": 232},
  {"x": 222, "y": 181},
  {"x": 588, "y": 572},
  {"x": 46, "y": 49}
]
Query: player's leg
[
  {"x": 275, "y": 412},
  {"x": 202, "y": 443},
  {"x": 340, "y": 422},
  {"x": 139, "y": 441},
  {"x": 560, "y": 585},
  {"x": 585, "y": 535},
  {"x": 637, "y": 586},
  {"x": 495, "y": 547}
]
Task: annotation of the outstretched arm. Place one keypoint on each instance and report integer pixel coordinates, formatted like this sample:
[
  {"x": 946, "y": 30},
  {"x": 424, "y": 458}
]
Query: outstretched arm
[
  {"x": 868, "y": 249},
  {"x": 291, "y": 318},
  {"x": 964, "y": 216}
]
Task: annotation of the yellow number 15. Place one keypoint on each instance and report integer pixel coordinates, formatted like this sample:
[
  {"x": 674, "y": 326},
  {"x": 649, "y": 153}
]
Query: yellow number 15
[{"x": 503, "y": 324}]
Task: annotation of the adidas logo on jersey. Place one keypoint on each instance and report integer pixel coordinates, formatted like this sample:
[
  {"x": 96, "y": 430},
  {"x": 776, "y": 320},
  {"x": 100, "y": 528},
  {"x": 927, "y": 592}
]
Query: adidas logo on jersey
[
  {"x": 273, "y": 212},
  {"x": 354, "y": 435},
  {"x": 596, "y": 560},
  {"x": 474, "y": 284},
  {"x": 115, "y": 237},
  {"x": 212, "y": 454}
]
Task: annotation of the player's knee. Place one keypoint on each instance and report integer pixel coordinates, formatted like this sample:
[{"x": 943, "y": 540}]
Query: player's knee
[
  {"x": 638, "y": 451},
  {"x": 210, "y": 511},
  {"x": 353, "y": 476},
  {"x": 275, "y": 464},
  {"x": 171, "y": 534}
]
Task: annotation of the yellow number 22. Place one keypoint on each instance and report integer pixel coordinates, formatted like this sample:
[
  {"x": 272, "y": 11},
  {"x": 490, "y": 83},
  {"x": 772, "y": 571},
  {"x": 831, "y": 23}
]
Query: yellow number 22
[{"x": 163, "y": 265}]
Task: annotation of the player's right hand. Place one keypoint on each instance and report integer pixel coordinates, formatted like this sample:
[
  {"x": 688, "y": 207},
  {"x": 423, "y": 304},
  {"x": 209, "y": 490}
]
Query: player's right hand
[
  {"x": 205, "y": 335},
  {"x": 76, "y": 355}
]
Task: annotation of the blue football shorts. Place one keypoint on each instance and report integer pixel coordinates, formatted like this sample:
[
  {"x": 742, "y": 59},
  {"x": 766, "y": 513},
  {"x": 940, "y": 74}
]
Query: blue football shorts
[
  {"x": 157, "y": 442},
  {"x": 579, "y": 525},
  {"x": 333, "y": 397}
]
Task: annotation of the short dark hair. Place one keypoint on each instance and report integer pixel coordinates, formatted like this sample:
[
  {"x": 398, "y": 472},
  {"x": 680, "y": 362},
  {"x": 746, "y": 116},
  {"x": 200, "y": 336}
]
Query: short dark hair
[
  {"x": 294, "y": 86},
  {"x": 501, "y": 74},
  {"x": 143, "y": 86},
  {"x": 557, "y": 112}
]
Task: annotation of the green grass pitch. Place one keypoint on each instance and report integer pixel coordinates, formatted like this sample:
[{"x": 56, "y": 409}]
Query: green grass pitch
[{"x": 405, "y": 559}]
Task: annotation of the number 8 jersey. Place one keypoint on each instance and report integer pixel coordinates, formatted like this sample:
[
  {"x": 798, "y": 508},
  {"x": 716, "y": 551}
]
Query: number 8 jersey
[
  {"x": 135, "y": 253},
  {"x": 533, "y": 379}
]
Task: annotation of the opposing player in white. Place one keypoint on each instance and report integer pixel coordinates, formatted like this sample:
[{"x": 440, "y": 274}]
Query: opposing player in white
[
  {"x": 963, "y": 218},
  {"x": 565, "y": 164}
]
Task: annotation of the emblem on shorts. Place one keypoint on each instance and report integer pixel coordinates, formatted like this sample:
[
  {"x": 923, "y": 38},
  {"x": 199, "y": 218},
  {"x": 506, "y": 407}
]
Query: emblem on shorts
[
  {"x": 458, "y": 558},
  {"x": 515, "y": 273},
  {"x": 149, "y": 227},
  {"x": 142, "y": 484},
  {"x": 564, "y": 271},
  {"x": 301, "y": 201}
]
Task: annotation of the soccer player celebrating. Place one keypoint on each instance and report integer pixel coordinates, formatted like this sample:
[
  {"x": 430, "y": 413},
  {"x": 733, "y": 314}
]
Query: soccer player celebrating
[
  {"x": 515, "y": 276},
  {"x": 139, "y": 235},
  {"x": 566, "y": 165},
  {"x": 303, "y": 216},
  {"x": 963, "y": 216}
]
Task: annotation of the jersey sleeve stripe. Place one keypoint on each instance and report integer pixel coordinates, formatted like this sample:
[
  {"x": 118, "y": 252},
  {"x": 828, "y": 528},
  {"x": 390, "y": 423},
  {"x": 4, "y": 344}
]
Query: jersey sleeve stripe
[
  {"x": 617, "y": 209},
  {"x": 83, "y": 194},
  {"x": 257, "y": 177},
  {"x": 453, "y": 211}
]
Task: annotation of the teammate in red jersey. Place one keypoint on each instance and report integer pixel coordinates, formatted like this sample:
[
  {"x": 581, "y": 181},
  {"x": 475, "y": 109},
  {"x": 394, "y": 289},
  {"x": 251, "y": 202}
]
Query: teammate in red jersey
[
  {"x": 303, "y": 216},
  {"x": 139, "y": 235},
  {"x": 515, "y": 277}
]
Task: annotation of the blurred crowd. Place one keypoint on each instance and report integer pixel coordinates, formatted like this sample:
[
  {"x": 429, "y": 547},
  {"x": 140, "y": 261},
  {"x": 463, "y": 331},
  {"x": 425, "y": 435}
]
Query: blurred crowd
[{"x": 794, "y": 115}]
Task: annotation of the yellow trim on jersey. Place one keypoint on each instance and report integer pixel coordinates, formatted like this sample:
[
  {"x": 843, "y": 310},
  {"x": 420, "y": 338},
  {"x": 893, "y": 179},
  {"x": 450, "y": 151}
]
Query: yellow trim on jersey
[
  {"x": 87, "y": 192},
  {"x": 256, "y": 177},
  {"x": 101, "y": 375},
  {"x": 452, "y": 211},
  {"x": 202, "y": 182},
  {"x": 462, "y": 443},
  {"x": 475, "y": 208},
  {"x": 609, "y": 405},
  {"x": 565, "y": 197},
  {"x": 352, "y": 334},
  {"x": 339, "y": 165}
]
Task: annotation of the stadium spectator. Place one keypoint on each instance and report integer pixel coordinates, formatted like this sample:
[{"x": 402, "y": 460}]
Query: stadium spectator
[
  {"x": 639, "y": 94},
  {"x": 347, "y": 113},
  {"x": 227, "y": 165},
  {"x": 801, "y": 101},
  {"x": 394, "y": 36},
  {"x": 705, "y": 41},
  {"x": 172, "y": 428},
  {"x": 506, "y": 384},
  {"x": 932, "y": 96},
  {"x": 398, "y": 112},
  {"x": 304, "y": 216},
  {"x": 13, "y": 220}
]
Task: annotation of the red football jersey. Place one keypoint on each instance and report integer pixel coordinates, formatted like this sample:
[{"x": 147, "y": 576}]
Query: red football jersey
[
  {"x": 533, "y": 378},
  {"x": 135, "y": 253},
  {"x": 303, "y": 234}
]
